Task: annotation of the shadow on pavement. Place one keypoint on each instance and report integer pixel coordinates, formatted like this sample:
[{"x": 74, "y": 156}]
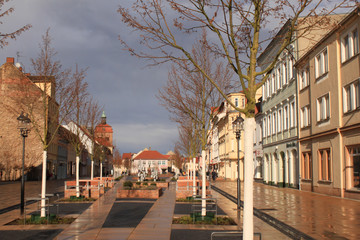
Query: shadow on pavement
[
  {"x": 29, "y": 234},
  {"x": 127, "y": 214}
]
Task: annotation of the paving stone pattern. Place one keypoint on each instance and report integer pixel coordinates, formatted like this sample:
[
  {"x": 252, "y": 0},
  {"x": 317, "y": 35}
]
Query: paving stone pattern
[
  {"x": 29, "y": 234},
  {"x": 127, "y": 214},
  {"x": 319, "y": 216},
  {"x": 185, "y": 209}
]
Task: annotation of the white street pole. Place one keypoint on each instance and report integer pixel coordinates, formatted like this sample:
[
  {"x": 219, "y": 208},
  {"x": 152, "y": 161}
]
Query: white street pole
[
  {"x": 92, "y": 169},
  {"x": 43, "y": 185},
  {"x": 248, "y": 224},
  {"x": 203, "y": 195},
  {"x": 100, "y": 171},
  {"x": 77, "y": 176},
  {"x": 194, "y": 187},
  {"x": 188, "y": 170}
]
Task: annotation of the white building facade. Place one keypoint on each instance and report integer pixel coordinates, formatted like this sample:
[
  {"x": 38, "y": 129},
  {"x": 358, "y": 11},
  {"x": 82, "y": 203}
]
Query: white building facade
[{"x": 279, "y": 122}]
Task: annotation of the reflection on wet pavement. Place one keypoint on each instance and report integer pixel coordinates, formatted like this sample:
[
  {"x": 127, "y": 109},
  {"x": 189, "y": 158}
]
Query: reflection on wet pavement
[{"x": 320, "y": 216}]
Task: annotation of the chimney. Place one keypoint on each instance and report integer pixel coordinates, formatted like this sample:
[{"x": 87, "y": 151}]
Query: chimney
[{"x": 10, "y": 60}]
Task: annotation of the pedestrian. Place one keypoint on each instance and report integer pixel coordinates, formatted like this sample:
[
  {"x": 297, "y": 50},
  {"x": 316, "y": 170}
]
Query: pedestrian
[{"x": 213, "y": 174}]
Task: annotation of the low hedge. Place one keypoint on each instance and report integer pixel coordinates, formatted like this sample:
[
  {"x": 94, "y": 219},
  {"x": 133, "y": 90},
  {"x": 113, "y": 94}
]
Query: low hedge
[{"x": 128, "y": 184}]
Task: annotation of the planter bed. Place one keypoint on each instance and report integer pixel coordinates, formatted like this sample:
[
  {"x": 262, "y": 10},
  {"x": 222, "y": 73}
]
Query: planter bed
[
  {"x": 162, "y": 184},
  {"x": 139, "y": 193},
  {"x": 88, "y": 188},
  {"x": 159, "y": 184}
]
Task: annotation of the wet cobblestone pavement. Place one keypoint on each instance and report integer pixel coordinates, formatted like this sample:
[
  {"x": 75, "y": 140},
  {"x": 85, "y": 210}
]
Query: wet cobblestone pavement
[
  {"x": 319, "y": 216},
  {"x": 10, "y": 191}
]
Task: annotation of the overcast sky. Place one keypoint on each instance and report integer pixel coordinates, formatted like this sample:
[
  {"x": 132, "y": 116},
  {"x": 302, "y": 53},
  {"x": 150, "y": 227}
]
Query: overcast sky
[{"x": 85, "y": 32}]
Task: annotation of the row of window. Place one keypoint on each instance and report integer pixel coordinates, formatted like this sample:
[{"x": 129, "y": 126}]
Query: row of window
[
  {"x": 349, "y": 48},
  {"x": 152, "y": 162},
  {"x": 351, "y": 101},
  {"x": 280, "y": 119},
  {"x": 351, "y": 92},
  {"x": 280, "y": 76},
  {"x": 324, "y": 157},
  {"x": 325, "y": 165}
]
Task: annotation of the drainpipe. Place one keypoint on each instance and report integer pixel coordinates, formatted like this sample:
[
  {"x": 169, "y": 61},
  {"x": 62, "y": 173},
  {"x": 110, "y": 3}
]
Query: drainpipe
[{"x": 340, "y": 104}]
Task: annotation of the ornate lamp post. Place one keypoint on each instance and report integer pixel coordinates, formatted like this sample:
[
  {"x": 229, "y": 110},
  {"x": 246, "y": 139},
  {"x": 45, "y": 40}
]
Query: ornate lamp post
[
  {"x": 238, "y": 126},
  {"x": 24, "y": 126}
]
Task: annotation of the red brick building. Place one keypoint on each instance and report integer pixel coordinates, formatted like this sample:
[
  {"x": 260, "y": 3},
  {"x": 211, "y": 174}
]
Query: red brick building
[{"x": 22, "y": 92}]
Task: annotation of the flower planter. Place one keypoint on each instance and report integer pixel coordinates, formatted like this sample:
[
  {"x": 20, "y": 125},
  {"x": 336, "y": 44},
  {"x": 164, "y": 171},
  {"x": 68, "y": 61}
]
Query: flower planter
[
  {"x": 139, "y": 193},
  {"x": 162, "y": 184}
]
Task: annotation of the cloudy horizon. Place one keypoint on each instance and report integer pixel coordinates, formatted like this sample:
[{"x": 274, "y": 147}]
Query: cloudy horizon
[{"x": 86, "y": 33}]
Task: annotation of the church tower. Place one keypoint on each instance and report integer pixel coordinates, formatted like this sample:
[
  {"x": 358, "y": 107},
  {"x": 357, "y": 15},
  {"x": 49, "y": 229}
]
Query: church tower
[
  {"x": 104, "y": 133},
  {"x": 103, "y": 118}
]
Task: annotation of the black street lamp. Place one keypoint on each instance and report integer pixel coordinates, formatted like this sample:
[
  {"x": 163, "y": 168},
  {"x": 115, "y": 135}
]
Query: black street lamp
[
  {"x": 237, "y": 128},
  {"x": 24, "y": 126}
]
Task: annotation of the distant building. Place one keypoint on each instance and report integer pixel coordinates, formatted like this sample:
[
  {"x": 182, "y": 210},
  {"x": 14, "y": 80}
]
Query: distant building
[
  {"x": 222, "y": 150},
  {"x": 258, "y": 148},
  {"x": 122, "y": 166},
  {"x": 104, "y": 133},
  {"x": 149, "y": 159},
  {"x": 104, "y": 136}
]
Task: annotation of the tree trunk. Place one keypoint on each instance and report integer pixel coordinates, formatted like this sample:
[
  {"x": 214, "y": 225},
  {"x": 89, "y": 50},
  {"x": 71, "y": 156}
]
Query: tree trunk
[
  {"x": 203, "y": 195},
  {"x": 101, "y": 171},
  {"x": 43, "y": 185},
  {"x": 92, "y": 169},
  {"x": 248, "y": 223},
  {"x": 188, "y": 170},
  {"x": 194, "y": 177},
  {"x": 77, "y": 176}
]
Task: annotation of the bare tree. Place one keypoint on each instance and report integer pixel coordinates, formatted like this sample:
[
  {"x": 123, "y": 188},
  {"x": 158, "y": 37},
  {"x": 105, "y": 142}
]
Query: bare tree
[
  {"x": 47, "y": 100},
  {"x": 104, "y": 154},
  {"x": 6, "y": 166},
  {"x": 188, "y": 142},
  {"x": 78, "y": 119},
  {"x": 5, "y": 36},
  {"x": 93, "y": 112},
  {"x": 240, "y": 30},
  {"x": 118, "y": 162},
  {"x": 127, "y": 163},
  {"x": 189, "y": 95},
  {"x": 117, "y": 159},
  {"x": 177, "y": 158}
]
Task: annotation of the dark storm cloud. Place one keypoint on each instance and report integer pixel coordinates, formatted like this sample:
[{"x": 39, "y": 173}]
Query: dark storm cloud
[{"x": 85, "y": 32}]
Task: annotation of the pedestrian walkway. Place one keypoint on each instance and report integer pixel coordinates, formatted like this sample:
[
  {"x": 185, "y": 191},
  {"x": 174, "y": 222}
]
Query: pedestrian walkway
[
  {"x": 89, "y": 224},
  {"x": 230, "y": 208},
  {"x": 157, "y": 223},
  {"x": 11, "y": 191},
  {"x": 319, "y": 216},
  {"x": 10, "y": 196}
]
